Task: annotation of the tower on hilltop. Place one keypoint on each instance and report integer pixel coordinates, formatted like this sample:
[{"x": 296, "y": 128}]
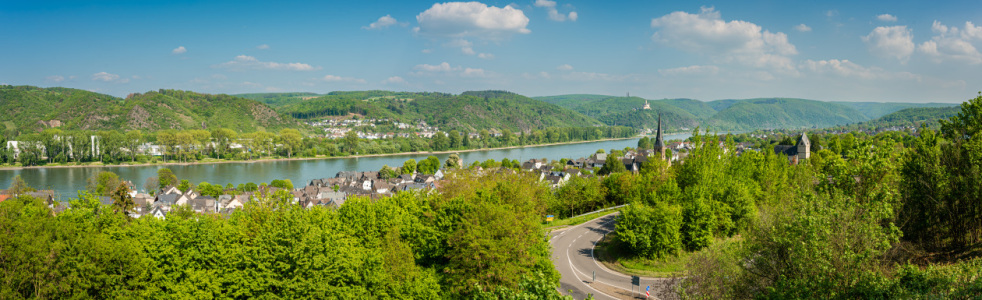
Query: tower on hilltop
[{"x": 646, "y": 105}]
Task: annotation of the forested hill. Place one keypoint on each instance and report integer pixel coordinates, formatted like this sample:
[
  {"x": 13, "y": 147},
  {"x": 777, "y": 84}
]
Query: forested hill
[
  {"x": 779, "y": 113},
  {"x": 279, "y": 99},
  {"x": 32, "y": 108},
  {"x": 915, "y": 116},
  {"x": 873, "y": 110},
  {"x": 469, "y": 111},
  {"x": 727, "y": 114},
  {"x": 624, "y": 111}
]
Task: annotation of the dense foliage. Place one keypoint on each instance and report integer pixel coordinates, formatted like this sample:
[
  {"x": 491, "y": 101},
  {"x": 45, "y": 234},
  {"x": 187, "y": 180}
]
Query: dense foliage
[
  {"x": 730, "y": 115},
  {"x": 467, "y": 112},
  {"x": 478, "y": 238},
  {"x": 151, "y": 111}
]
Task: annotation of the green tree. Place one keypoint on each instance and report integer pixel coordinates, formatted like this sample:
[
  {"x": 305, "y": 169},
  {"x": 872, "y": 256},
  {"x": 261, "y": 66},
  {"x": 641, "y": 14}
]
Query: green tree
[
  {"x": 386, "y": 172},
  {"x": 455, "y": 141},
  {"x": 409, "y": 167},
  {"x": 652, "y": 232},
  {"x": 184, "y": 186},
  {"x": 224, "y": 138},
  {"x": 166, "y": 178},
  {"x": 428, "y": 165},
  {"x": 454, "y": 162},
  {"x": 291, "y": 140},
  {"x": 122, "y": 201},
  {"x": 133, "y": 140},
  {"x": 104, "y": 183},
  {"x": 613, "y": 164},
  {"x": 351, "y": 141}
]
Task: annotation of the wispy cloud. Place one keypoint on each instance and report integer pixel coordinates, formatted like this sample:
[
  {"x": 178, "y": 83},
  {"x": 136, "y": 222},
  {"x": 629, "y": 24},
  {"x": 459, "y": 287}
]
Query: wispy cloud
[
  {"x": 105, "y": 76},
  {"x": 179, "y": 50},
  {"x": 802, "y": 28},
  {"x": 245, "y": 62},
  {"x": 554, "y": 14},
  {"x": 263, "y": 47},
  {"x": 335, "y": 78}
]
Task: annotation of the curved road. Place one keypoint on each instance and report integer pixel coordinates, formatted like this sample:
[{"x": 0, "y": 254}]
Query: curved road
[{"x": 572, "y": 255}]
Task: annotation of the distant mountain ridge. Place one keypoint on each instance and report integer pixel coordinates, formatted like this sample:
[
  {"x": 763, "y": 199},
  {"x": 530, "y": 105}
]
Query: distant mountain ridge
[
  {"x": 728, "y": 114},
  {"x": 470, "y": 111},
  {"x": 33, "y": 108}
]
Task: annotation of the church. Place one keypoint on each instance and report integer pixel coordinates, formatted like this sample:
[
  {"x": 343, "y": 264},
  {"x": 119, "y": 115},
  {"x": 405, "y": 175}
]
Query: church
[{"x": 795, "y": 153}]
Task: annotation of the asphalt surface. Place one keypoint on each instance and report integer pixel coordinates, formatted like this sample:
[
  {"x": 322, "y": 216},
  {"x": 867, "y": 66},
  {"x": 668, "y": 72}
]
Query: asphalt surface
[{"x": 572, "y": 254}]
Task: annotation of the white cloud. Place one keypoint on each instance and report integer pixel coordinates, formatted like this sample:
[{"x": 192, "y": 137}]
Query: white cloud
[
  {"x": 104, "y": 76},
  {"x": 179, "y": 50},
  {"x": 55, "y": 78},
  {"x": 473, "y": 72},
  {"x": 734, "y": 41},
  {"x": 442, "y": 67},
  {"x": 335, "y": 78},
  {"x": 954, "y": 44},
  {"x": 485, "y": 55},
  {"x": 245, "y": 62},
  {"x": 802, "y": 28},
  {"x": 263, "y": 47},
  {"x": 831, "y": 13},
  {"x": 383, "y": 22},
  {"x": 445, "y": 69},
  {"x": 564, "y": 67},
  {"x": 690, "y": 70},
  {"x": 893, "y": 42},
  {"x": 394, "y": 80},
  {"x": 554, "y": 14},
  {"x": 887, "y": 18},
  {"x": 846, "y": 68},
  {"x": 471, "y": 19},
  {"x": 427, "y": 51}
]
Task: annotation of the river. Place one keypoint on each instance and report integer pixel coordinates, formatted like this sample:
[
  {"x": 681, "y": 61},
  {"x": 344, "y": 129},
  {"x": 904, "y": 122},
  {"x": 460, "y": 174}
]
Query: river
[{"x": 67, "y": 181}]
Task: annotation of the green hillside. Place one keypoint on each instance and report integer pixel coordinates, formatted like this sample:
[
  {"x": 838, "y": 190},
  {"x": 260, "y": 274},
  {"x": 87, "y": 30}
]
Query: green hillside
[
  {"x": 469, "y": 111},
  {"x": 915, "y": 117},
  {"x": 780, "y": 113},
  {"x": 278, "y": 99},
  {"x": 35, "y": 108},
  {"x": 625, "y": 111},
  {"x": 700, "y": 109},
  {"x": 873, "y": 110}
]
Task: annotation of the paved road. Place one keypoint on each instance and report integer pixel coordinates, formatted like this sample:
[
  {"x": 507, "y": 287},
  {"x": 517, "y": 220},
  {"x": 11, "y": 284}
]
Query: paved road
[{"x": 572, "y": 255}]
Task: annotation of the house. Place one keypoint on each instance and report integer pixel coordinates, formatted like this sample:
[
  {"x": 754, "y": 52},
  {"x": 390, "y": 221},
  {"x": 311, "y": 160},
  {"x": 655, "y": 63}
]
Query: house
[
  {"x": 158, "y": 213},
  {"x": 204, "y": 204}
]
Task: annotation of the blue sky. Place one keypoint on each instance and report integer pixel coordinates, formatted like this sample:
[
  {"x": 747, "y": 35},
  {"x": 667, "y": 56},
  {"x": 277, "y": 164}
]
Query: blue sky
[{"x": 898, "y": 51}]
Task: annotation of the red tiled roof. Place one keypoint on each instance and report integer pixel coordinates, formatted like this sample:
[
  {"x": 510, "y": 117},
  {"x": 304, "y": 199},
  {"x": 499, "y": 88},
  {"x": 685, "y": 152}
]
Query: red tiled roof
[{"x": 4, "y": 197}]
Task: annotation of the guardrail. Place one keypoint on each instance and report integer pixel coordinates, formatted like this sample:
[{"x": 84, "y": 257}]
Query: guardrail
[{"x": 601, "y": 210}]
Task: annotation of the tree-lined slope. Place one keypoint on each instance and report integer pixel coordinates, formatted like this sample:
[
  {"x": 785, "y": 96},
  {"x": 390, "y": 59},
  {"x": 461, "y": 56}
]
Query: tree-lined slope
[
  {"x": 35, "y": 108},
  {"x": 469, "y": 111},
  {"x": 778, "y": 113}
]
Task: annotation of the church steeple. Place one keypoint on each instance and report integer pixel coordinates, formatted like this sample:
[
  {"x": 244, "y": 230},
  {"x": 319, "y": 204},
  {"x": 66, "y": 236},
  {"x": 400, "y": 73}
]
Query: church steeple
[{"x": 659, "y": 141}]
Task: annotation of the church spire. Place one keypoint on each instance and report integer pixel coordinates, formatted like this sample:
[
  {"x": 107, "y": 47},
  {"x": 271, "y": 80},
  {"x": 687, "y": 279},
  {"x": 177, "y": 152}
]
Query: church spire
[{"x": 659, "y": 141}]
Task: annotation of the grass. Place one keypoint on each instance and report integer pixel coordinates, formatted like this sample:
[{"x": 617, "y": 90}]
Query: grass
[
  {"x": 556, "y": 224},
  {"x": 616, "y": 256}
]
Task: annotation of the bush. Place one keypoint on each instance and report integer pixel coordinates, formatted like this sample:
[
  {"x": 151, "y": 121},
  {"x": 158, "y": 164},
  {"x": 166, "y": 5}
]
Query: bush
[{"x": 651, "y": 232}]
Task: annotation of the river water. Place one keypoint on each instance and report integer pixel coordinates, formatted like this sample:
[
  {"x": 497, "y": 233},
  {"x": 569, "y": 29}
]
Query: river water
[{"x": 67, "y": 181}]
